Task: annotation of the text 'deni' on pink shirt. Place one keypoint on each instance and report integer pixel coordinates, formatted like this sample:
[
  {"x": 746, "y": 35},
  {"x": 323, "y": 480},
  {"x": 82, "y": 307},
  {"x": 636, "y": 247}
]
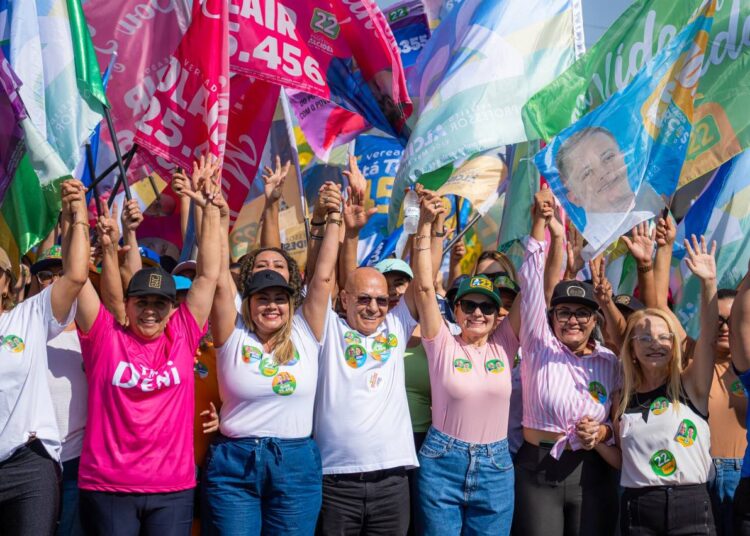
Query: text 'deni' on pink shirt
[
  {"x": 559, "y": 388},
  {"x": 471, "y": 386},
  {"x": 139, "y": 434}
]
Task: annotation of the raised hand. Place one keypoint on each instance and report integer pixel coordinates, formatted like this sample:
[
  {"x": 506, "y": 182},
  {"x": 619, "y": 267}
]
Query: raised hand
[
  {"x": 180, "y": 183},
  {"x": 355, "y": 214},
  {"x": 641, "y": 245},
  {"x": 273, "y": 180},
  {"x": 73, "y": 194},
  {"x": 602, "y": 286},
  {"x": 700, "y": 259},
  {"x": 574, "y": 263},
  {"x": 458, "y": 251},
  {"x": 356, "y": 180},
  {"x": 431, "y": 206},
  {"x": 206, "y": 181},
  {"x": 544, "y": 204},
  {"x": 106, "y": 226},
  {"x": 131, "y": 216},
  {"x": 555, "y": 226},
  {"x": 666, "y": 232}
]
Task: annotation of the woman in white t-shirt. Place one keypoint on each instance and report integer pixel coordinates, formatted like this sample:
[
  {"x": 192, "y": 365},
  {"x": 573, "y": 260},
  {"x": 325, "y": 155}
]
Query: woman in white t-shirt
[
  {"x": 30, "y": 440},
  {"x": 263, "y": 472},
  {"x": 662, "y": 427}
]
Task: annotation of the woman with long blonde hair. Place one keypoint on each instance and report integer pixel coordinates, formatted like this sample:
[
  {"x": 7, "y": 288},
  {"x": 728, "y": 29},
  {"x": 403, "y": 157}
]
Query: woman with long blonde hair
[{"x": 662, "y": 425}]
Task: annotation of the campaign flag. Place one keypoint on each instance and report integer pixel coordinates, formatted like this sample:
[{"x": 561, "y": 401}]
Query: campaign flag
[
  {"x": 478, "y": 180},
  {"x": 12, "y": 112},
  {"x": 342, "y": 51},
  {"x": 721, "y": 126},
  {"x": 141, "y": 35},
  {"x": 613, "y": 169},
  {"x": 472, "y": 77},
  {"x": 411, "y": 30},
  {"x": 721, "y": 213},
  {"x": 189, "y": 112}
]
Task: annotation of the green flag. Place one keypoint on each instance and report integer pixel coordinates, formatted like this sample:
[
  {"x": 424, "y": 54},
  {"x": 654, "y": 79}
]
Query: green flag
[
  {"x": 721, "y": 125},
  {"x": 88, "y": 75}
]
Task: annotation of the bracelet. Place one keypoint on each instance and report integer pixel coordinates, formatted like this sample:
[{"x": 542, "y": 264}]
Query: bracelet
[
  {"x": 422, "y": 249},
  {"x": 419, "y": 236},
  {"x": 439, "y": 234},
  {"x": 645, "y": 269},
  {"x": 317, "y": 223},
  {"x": 315, "y": 237},
  {"x": 334, "y": 221},
  {"x": 84, "y": 223}
]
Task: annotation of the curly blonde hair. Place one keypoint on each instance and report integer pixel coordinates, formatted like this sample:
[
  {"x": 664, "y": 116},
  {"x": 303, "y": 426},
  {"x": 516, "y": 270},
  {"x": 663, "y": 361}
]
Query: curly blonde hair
[{"x": 631, "y": 369}]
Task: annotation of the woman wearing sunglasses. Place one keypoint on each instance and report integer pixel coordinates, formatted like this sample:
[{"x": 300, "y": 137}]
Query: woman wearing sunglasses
[
  {"x": 466, "y": 448},
  {"x": 563, "y": 484},
  {"x": 663, "y": 426}
]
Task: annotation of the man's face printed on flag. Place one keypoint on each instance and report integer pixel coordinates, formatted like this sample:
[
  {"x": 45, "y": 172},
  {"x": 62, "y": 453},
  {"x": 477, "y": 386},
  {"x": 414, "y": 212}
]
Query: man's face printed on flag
[{"x": 593, "y": 170}]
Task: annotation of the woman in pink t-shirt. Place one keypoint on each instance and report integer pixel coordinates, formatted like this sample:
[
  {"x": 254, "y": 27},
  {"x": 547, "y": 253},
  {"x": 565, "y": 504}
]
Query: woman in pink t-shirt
[
  {"x": 466, "y": 448},
  {"x": 137, "y": 469}
]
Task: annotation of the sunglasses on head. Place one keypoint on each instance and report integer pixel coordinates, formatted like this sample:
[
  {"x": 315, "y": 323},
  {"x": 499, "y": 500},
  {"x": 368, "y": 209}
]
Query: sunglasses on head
[
  {"x": 46, "y": 275},
  {"x": 469, "y": 306},
  {"x": 364, "y": 300}
]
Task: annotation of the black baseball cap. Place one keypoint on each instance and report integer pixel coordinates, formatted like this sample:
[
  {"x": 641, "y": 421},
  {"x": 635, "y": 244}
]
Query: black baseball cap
[
  {"x": 628, "y": 304},
  {"x": 266, "y": 279},
  {"x": 152, "y": 281},
  {"x": 574, "y": 291}
]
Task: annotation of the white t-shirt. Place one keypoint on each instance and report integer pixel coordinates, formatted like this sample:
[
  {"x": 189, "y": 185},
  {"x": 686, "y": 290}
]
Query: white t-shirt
[
  {"x": 69, "y": 390},
  {"x": 26, "y": 409},
  {"x": 261, "y": 399},
  {"x": 361, "y": 412}
]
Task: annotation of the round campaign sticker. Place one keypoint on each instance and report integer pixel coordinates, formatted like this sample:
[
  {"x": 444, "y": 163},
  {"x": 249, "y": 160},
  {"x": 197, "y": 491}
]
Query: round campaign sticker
[
  {"x": 201, "y": 370},
  {"x": 374, "y": 381},
  {"x": 598, "y": 392},
  {"x": 494, "y": 366},
  {"x": 294, "y": 360},
  {"x": 352, "y": 337},
  {"x": 659, "y": 406},
  {"x": 284, "y": 384},
  {"x": 663, "y": 463},
  {"x": 268, "y": 366},
  {"x": 14, "y": 343},
  {"x": 251, "y": 353},
  {"x": 737, "y": 389},
  {"x": 462, "y": 365},
  {"x": 355, "y": 355},
  {"x": 392, "y": 340},
  {"x": 380, "y": 349},
  {"x": 686, "y": 433}
]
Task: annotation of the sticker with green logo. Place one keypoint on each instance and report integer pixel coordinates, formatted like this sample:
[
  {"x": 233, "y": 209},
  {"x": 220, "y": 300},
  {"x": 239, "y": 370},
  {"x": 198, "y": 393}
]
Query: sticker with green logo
[
  {"x": 462, "y": 365},
  {"x": 598, "y": 392},
  {"x": 14, "y": 343},
  {"x": 284, "y": 384},
  {"x": 268, "y": 366},
  {"x": 663, "y": 463},
  {"x": 251, "y": 353},
  {"x": 392, "y": 340},
  {"x": 494, "y": 366},
  {"x": 687, "y": 433},
  {"x": 294, "y": 360},
  {"x": 355, "y": 355},
  {"x": 659, "y": 406},
  {"x": 737, "y": 389}
]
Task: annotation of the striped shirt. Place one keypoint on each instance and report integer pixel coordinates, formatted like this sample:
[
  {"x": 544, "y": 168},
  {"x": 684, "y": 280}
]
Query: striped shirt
[{"x": 559, "y": 387}]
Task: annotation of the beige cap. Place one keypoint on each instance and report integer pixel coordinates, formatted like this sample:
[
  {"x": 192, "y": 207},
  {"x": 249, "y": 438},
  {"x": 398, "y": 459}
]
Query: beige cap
[{"x": 5, "y": 263}]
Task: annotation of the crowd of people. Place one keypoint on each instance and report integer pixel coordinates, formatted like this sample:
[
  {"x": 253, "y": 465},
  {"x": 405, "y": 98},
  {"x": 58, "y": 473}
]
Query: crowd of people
[{"x": 140, "y": 397}]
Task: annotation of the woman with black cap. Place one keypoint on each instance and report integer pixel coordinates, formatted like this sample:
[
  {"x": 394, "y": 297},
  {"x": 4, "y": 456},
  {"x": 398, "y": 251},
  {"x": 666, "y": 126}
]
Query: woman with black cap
[
  {"x": 137, "y": 468},
  {"x": 263, "y": 472},
  {"x": 563, "y": 484},
  {"x": 30, "y": 442}
]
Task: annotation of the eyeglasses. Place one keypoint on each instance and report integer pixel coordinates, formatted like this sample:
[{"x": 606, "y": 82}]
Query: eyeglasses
[
  {"x": 723, "y": 320},
  {"x": 486, "y": 308},
  {"x": 46, "y": 275},
  {"x": 582, "y": 315},
  {"x": 663, "y": 338},
  {"x": 364, "y": 300}
]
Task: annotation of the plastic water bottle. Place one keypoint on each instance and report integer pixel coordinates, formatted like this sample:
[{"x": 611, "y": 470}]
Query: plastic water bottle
[{"x": 411, "y": 212}]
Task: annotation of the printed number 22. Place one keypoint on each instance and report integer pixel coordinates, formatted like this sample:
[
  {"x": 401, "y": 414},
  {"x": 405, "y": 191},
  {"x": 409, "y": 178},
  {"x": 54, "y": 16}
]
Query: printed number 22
[
  {"x": 326, "y": 23},
  {"x": 268, "y": 51}
]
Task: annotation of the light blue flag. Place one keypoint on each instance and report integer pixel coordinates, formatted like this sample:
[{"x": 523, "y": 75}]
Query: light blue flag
[
  {"x": 619, "y": 164},
  {"x": 476, "y": 72},
  {"x": 721, "y": 213}
]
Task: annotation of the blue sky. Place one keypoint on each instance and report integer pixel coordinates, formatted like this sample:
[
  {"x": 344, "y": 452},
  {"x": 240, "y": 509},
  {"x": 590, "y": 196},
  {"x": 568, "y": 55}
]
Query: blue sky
[{"x": 598, "y": 15}]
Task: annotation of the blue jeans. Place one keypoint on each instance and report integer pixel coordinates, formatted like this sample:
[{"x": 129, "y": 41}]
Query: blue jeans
[
  {"x": 70, "y": 521},
  {"x": 465, "y": 488},
  {"x": 261, "y": 485},
  {"x": 722, "y": 492}
]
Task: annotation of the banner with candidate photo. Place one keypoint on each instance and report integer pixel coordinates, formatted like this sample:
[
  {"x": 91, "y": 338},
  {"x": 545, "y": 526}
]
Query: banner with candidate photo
[{"x": 611, "y": 170}]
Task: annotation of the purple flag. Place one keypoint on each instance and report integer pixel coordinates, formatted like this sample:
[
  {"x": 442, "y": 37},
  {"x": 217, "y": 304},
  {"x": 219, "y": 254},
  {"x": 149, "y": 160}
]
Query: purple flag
[{"x": 12, "y": 112}]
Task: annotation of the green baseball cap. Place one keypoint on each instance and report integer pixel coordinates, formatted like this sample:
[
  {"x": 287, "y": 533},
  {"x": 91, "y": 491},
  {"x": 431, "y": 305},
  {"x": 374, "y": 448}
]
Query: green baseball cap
[
  {"x": 478, "y": 284},
  {"x": 48, "y": 258}
]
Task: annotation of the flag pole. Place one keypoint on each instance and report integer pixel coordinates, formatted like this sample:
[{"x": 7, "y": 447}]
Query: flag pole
[
  {"x": 112, "y": 167},
  {"x": 118, "y": 155},
  {"x": 92, "y": 176},
  {"x": 122, "y": 179},
  {"x": 460, "y": 235}
]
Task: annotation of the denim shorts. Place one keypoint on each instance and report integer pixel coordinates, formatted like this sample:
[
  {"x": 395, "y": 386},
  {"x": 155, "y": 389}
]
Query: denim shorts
[{"x": 465, "y": 488}]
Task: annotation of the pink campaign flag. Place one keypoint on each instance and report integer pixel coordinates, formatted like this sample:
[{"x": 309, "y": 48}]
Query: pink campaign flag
[
  {"x": 189, "y": 112},
  {"x": 309, "y": 45}
]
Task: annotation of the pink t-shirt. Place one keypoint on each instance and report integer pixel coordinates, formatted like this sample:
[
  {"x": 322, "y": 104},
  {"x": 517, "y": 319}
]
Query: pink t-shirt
[
  {"x": 471, "y": 386},
  {"x": 139, "y": 434}
]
